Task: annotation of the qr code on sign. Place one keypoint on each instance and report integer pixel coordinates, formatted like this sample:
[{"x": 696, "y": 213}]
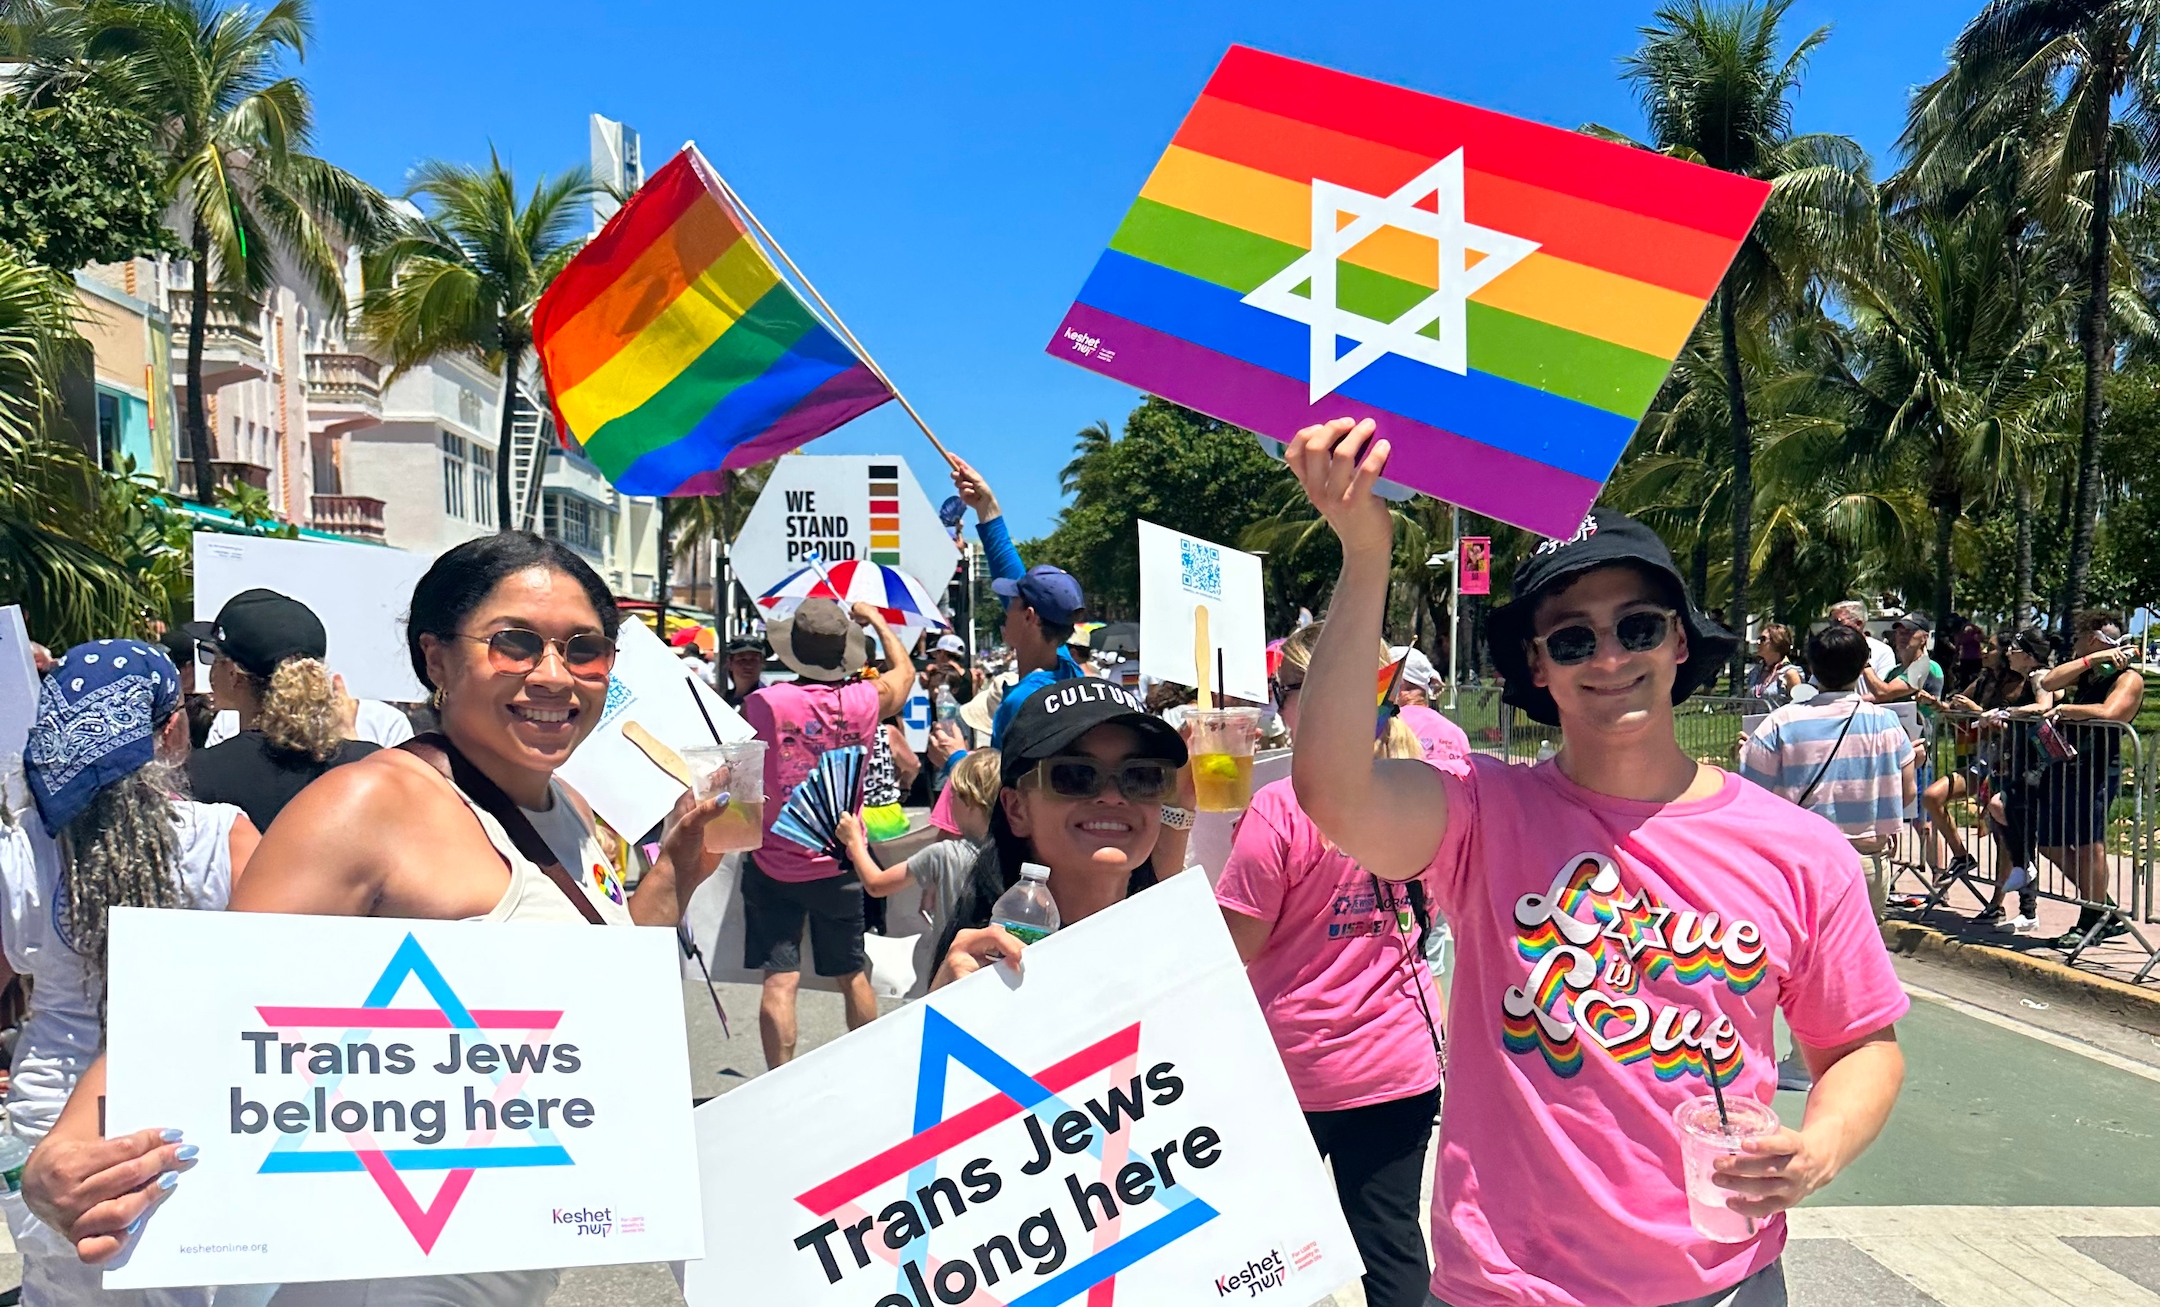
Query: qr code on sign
[{"x": 1200, "y": 568}]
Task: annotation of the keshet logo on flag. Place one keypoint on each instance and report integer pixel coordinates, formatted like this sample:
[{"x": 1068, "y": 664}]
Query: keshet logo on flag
[
  {"x": 673, "y": 349},
  {"x": 1503, "y": 298}
]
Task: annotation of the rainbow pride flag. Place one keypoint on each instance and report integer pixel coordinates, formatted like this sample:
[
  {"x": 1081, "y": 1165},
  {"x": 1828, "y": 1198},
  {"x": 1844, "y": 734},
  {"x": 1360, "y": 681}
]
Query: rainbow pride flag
[
  {"x": 1503, "y": 298},
  {"x": 674, "y": 350}
]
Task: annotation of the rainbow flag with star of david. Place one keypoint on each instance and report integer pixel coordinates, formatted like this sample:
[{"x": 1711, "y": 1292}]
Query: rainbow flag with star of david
[
  {"x": 1503, "y": 298},
  {"x": 675, "y": 351}
]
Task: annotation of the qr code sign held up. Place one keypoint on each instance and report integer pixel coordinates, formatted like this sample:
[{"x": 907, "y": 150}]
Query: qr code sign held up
[{"x": 1200, "y": 568}]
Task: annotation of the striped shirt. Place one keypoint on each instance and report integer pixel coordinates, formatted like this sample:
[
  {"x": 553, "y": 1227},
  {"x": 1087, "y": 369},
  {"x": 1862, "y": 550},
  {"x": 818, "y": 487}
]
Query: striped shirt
[{"x": 1862, "y": 791}]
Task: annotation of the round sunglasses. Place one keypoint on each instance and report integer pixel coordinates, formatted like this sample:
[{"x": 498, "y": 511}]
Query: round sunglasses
[
  {"x": 516, "y": 651},
  {"x": 1637, "y": 632},
  {"x": 1076, "y": 776}
]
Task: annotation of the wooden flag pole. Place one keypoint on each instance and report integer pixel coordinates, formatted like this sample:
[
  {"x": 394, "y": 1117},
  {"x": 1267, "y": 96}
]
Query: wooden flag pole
[{"x": 705, "y": 168}]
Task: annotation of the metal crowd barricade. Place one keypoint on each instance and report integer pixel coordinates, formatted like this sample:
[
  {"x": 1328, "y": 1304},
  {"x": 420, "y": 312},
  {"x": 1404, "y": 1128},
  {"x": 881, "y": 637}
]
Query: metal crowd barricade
[
  {"x": 1704, "y": 725},
  {"x": 2082, "y": 825}
]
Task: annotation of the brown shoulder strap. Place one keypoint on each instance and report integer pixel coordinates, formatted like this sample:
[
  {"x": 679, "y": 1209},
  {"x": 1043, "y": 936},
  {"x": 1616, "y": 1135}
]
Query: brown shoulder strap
[{"x": 436, "y": 750}]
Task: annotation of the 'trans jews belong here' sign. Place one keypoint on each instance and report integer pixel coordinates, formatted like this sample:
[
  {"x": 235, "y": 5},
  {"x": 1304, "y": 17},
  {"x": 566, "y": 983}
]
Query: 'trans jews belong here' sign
[
  {"x": 1113, "y": 1122},
  {"x": 377, "y": 1098}
]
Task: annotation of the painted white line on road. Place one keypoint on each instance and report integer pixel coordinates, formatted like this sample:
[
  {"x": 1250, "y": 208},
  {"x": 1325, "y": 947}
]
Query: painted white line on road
[
  {"x": 1976, "y": 1222},
  {"x": 1991, "y": 1256},
  {"x": 2045, "y": 1036}
]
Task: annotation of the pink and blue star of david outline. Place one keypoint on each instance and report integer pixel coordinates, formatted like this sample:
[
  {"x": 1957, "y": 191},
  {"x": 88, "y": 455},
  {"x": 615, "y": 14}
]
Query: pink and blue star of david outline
[
  {"x": 289, "y": 1156},
  {"x": 944, "y": 1042}
]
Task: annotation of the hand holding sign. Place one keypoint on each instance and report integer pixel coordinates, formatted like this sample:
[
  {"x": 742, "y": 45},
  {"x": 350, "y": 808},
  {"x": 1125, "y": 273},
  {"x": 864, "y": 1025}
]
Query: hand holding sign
[{"x": 1326, "y": 460}]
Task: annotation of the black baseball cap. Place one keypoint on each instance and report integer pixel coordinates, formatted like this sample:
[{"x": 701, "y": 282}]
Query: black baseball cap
[
  {"x": 741, "y": 645},
  {"x": 259, "y": 629},
  {"x": 1915, "y": 620},
  {"x": 1606, "y": 538},
  {"x": 1053, "y": 718}
]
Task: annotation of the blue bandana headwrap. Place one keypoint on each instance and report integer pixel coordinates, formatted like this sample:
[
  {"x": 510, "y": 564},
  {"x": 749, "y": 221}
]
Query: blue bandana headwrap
[{"x": 96, "y": 724}]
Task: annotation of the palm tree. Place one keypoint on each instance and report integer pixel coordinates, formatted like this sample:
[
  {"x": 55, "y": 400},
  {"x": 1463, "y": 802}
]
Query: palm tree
[
  {"x": 465, "y": 278},
  {"x": 2094, "y": 62},
  {"x": 1961, "y": 373},
  {"x": 693, "y": 519},
  {"x": 1715, "y": 92},
  {"x": 51, "y": 494},
  {"x": 234, "y": 131},
  {"x": 1093, "y": 439}
]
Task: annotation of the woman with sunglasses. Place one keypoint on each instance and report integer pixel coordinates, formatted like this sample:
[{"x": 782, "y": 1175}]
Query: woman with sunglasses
[
  {"x": 516, "y": 637},
  {"x": 1334, "y": 957},
  {"x": 1593, "y": 1003},
  {"x": 1091, "y": 787}
]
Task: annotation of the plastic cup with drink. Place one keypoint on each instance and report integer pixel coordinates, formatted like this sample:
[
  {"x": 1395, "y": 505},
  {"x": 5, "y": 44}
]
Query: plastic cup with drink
[
  {"x": 1222, "y": 744},
  {"x": 1704, "y": 1139},
  {"x": 738, "y": 770}
]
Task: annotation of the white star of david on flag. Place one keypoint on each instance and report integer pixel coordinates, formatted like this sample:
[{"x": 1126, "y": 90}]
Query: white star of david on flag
[{"x": 1457, "y": 279}]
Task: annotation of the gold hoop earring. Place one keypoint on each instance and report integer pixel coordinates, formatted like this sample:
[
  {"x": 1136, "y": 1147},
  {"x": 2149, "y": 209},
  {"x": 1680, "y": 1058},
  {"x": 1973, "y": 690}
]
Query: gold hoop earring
[{"x": 435, "y": 699}]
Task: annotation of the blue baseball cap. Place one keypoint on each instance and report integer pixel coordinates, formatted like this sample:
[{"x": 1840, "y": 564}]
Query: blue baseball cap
[{"x": 1050, "y": 591}]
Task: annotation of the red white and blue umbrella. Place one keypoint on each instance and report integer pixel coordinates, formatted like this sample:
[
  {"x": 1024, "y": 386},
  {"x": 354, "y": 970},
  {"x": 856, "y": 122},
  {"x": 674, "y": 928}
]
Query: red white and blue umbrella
[{"x": 905, "y": 604}]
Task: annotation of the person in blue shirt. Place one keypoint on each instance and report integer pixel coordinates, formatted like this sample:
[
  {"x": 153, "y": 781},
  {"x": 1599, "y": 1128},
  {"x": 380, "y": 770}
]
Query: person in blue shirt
[{"x": 1041, "y": 602}]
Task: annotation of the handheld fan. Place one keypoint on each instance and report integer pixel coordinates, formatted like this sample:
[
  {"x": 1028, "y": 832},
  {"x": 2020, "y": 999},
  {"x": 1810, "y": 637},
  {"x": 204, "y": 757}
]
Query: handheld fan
[{"x": 811, "y": 815}]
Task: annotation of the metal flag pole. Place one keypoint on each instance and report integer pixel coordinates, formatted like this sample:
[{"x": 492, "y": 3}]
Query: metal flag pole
[
  {"x": 1454, "y": 602},
  {"x": 727, "y": 192}
]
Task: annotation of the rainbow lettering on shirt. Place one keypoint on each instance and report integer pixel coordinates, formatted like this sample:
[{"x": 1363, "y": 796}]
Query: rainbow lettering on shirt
[{"x": 1586, "y": 969}]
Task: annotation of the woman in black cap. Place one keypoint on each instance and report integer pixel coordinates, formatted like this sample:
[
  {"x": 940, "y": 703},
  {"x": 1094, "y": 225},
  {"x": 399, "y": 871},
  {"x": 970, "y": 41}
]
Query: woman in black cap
[
  {"x": 1629, "y": 923},
  {"x": 1093, "y": 788},
  {"x": 266, "y": 662}
]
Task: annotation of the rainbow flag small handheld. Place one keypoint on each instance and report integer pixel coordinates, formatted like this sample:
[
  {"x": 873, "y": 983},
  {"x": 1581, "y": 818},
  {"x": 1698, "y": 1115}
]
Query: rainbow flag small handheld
[
  {"x": 1502, "y": 297},
  {"x": 674, "y": 349},
  {"x": 1390, "y": 678}
]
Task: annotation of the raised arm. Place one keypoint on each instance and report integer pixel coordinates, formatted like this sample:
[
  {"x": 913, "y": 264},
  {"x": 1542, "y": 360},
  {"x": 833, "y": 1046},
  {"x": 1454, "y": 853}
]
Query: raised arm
[
  {"x": 1387, "y": 814},
  {"x": 998, "y": 551},
  {"x": 2124, "y": 698},
  {"x": 895, "y": 681}
]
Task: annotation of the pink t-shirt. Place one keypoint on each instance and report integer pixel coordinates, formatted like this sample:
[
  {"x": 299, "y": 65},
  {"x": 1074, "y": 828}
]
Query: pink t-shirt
[
  {"x": 799, "y": 720},
  {"x": 1342, "y": 985},
  {"x": 1446, "y": 747},
  {"x": 1611, "y": 951}
]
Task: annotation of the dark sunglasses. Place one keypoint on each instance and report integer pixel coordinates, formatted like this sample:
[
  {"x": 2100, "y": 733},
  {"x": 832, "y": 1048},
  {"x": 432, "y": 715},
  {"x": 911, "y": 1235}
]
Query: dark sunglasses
[
  {"x": 1284, "y": 689},
  {"x": 1142, "y": 780},
  {"x": 1638, "y": 632},
  {"x": 517, "y": 651}
]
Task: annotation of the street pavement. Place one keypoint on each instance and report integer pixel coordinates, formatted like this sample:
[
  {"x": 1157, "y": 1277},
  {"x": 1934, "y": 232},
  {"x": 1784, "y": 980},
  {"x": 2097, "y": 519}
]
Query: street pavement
[{"x": 2021, "y": 1168}]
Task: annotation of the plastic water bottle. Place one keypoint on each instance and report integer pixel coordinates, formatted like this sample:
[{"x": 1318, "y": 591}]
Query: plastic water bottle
[
  {"x": 1027, "y": 910},
  {"x": 947, "y": 706},
  {"x": 15, "y": 1151}
]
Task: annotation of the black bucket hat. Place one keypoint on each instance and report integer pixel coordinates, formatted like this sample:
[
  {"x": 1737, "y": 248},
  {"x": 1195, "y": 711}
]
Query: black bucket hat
[{"x": 1606, "y": 538}]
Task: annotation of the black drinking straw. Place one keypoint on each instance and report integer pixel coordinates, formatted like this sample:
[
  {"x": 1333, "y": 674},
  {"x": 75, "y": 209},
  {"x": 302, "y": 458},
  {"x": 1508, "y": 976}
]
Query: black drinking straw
[
  {"x": 1218, "y": 676},
  {"x": 1717, "y": 1091},
  {"x": 699, "y": 700}
]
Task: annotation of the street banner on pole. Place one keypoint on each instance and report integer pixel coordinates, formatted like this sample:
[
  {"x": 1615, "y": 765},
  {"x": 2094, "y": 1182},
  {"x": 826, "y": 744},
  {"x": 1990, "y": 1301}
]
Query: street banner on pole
[
  {"x": 1179, "y": 574},
  {"x": 1110, "y": 1120},
  {"x": 379, "y": 1098},
  {"x": 1475, "y": 559},
  {"x": 361, "y": 593},
  {"x": 1504, "y": 298},
  {"x": 838, "y": 507},
  {"x": 652, "y": 687}
]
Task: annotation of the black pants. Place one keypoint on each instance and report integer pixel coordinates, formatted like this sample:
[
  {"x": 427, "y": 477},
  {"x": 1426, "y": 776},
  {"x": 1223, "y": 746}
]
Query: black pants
[{"x": 1379, "y": 1156}]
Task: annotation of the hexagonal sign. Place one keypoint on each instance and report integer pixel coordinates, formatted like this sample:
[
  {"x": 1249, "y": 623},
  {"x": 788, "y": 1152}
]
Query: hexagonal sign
[{"x": 841, "y": 506}]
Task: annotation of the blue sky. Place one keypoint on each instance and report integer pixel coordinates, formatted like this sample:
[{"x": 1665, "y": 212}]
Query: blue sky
[{"x": 948, "y": 173}]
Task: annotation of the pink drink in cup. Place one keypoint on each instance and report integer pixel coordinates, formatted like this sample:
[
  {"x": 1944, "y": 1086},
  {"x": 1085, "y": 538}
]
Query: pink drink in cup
[
  {"x": 1702, "y": 1143},
  {"x": 739, "y": 771}
]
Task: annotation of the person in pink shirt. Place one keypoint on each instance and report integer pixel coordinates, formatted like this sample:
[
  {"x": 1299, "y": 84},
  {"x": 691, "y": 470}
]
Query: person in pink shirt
[
  {"x": 1628, "y": 924},
  {"x": 784, "y": 884},
  {"x": 1334, "y": 958}
]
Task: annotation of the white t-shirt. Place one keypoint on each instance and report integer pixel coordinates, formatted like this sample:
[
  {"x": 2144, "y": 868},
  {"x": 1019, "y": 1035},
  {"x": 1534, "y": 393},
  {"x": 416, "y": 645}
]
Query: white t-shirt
[
  {"x": 375, "y": 721},
  {"x": 1881, "y": 658}
]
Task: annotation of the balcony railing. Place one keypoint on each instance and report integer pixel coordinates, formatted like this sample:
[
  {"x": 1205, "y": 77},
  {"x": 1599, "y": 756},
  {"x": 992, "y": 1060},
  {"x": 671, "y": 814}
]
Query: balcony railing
[
  {"x": 226, "y": 471},
  {"x": 358, "y": 516},
  {"x": 344, "y": 392},
  {"x": 232, "y": 351}
]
